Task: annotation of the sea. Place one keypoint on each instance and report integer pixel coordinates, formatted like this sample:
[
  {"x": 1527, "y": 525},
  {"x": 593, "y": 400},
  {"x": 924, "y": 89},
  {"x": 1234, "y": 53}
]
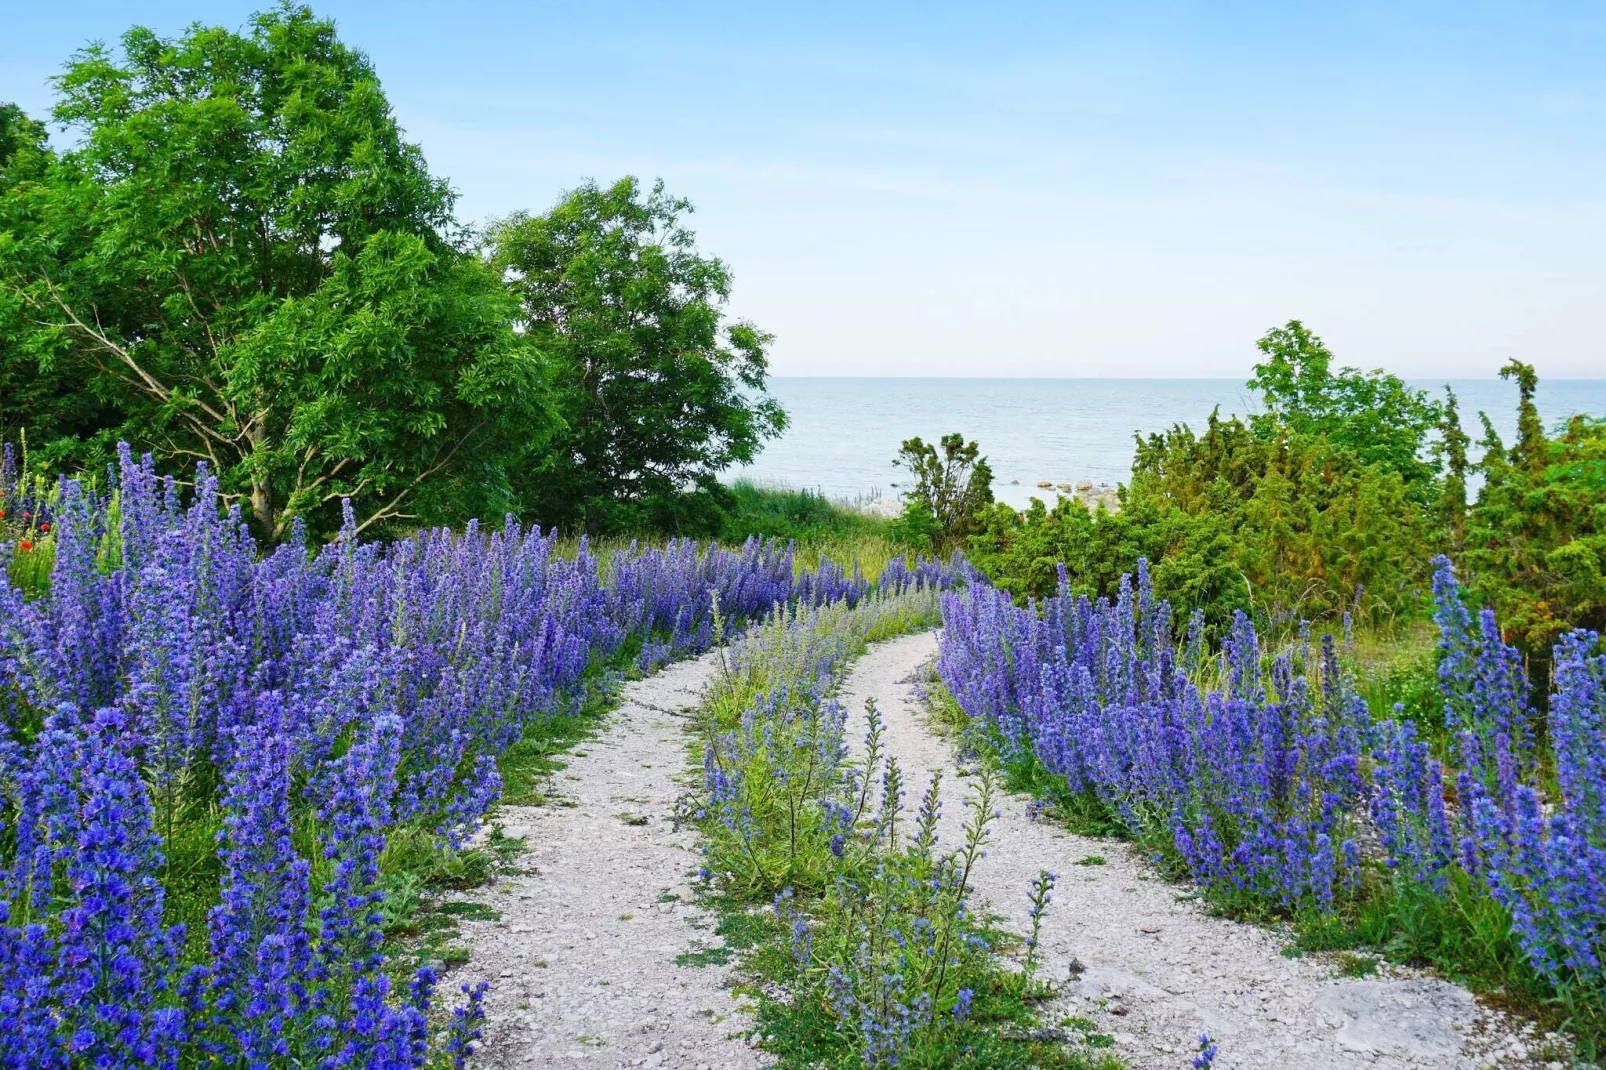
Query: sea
[{"x": 845, "y": 432}]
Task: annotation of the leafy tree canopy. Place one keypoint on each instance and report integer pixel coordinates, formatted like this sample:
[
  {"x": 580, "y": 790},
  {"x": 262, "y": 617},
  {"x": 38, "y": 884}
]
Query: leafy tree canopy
[
  {"x": 46, "y": 399},
  {"x": 243, "y": 261},
  {"x": 17, "y": 133},
  {"x": 658, "y": 389},
  {"x": 1374, "y": 414}
]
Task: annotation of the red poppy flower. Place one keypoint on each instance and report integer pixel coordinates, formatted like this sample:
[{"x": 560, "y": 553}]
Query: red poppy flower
[
  {"x": 26, "y": 545},
  {"x": 44, "y": 527}
]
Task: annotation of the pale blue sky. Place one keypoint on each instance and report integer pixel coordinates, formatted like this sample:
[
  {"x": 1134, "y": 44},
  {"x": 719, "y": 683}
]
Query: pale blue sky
[{"x": 1025, "y": 189}]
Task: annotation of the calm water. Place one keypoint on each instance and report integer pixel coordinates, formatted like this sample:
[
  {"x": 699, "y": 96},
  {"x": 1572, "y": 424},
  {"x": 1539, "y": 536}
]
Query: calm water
[{"x": 845, "y": 432}]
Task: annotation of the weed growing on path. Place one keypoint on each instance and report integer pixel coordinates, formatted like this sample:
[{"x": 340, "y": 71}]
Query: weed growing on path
[{"x": 871, "y": 952}]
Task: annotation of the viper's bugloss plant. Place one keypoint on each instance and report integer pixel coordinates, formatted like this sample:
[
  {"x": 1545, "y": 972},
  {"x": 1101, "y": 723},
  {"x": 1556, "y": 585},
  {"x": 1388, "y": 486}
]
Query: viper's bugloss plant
[
  {"x": 1039, "y": 896},
  {"x": 1249, "y": 786},
  {"x": 194, "y": 728},
  {"x": 1260, "y": 777}
]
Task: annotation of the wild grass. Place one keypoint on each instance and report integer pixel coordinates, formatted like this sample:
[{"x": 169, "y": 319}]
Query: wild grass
[
  {"x": 870, "y": 953},
  {"x": 822, "y": 528},
  {"x": 803, "y": 515}
]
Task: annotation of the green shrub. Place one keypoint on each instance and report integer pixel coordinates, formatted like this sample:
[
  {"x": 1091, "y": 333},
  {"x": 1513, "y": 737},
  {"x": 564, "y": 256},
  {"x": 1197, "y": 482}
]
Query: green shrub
[
  {"x": 1373, "y": 415},
  {"x": 1536, "y": 539},
  {"x": 953, "y": 488},
  {"x": 1288, "y": 527}
]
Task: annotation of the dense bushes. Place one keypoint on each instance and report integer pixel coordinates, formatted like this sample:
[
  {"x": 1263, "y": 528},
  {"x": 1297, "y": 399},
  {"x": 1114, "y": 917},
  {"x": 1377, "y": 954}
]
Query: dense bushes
[
  {"x": 1285, "y": 526},
  {"x": 1329, "y": 503},
  {"x": 1535, "y": 543}
]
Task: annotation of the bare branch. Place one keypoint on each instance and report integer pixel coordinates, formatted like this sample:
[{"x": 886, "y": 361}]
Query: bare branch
[
  {"x": 148, "y": 381},
  {"x": 388, "y": 511}
]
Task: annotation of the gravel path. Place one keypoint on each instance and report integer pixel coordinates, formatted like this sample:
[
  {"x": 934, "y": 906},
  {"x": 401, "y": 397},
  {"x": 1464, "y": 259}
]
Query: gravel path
[
  {"x": 1159, "y": 970},
  {"x": 582, "y": 961}
]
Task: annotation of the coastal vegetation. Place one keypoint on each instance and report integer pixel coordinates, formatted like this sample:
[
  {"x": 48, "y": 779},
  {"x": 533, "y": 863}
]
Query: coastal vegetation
[
  {"x": 953, "y": 484},
  {"x": 327, "y": 521},
  {"x": 1237, "y": 670},
  {"x": 1469, "y": 839},
  {"x": 1328, "y": 504},
  {"x": 238, "y": 258}
]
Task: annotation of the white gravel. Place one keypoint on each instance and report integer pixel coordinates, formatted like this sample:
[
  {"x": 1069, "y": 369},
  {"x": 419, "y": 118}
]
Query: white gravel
[
  {"x": 582, "y": 962},
  {"x": 1158, "y": 969}
]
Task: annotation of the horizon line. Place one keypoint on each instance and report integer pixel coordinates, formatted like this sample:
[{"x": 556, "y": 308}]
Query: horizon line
[{"x": 1177, "y": 378}]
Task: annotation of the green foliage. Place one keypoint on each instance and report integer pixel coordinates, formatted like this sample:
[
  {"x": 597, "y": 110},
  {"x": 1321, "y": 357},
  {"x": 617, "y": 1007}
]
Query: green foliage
[
  {"x": 241, "y": 260},
  {"x": 1451, "y": 451},
  {"x": 819, "y": 527},
  {"x": 1287, "y": 526},
  {"x": 44, "y": 397},
  {"x": 1325, "y": 503},
  {"x": 838, "y": 979},
  {"x": 1333, "y": 500},
  {"x": 17, "y": 133},
  {"x": 800, "y": 515},
  {"x": 953, "y": 486},
  {"x": 1374, "y": 415},
  {"x": 658, "y": 391},
  {"x": 1536, "y": 540},
  {"x": 1398, "y": 677}
]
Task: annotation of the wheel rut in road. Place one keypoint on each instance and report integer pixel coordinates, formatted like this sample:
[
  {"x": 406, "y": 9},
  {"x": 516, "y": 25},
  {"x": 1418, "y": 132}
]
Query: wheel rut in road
[{"x": 582, "y": 961}]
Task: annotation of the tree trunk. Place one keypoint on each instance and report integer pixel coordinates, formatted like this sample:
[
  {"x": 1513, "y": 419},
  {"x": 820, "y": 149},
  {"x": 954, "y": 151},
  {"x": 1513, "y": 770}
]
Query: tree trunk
[{"x": 263, "y": 513}]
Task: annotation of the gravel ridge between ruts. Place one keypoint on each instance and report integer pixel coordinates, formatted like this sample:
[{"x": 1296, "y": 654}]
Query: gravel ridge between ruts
[
  {"x": 1157, "y": 969},
  {"x": 582, "y": 962}
]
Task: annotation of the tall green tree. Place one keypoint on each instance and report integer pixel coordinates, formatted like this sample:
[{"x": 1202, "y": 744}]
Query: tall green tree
[
  {"x": 658, "y": 388},
  {"x": 1529, "y": 452},
  {"x": 46, "y": 402},
  {"x": 17, "y": 133},
  {"x": 244, "y": 262},
  {"x": 1373, "y": 414}
]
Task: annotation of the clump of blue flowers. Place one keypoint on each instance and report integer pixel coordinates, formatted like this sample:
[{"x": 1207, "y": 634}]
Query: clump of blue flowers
[
  {"x": 1254, "y": 773},
  {"x": 316, "y": 700}
]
